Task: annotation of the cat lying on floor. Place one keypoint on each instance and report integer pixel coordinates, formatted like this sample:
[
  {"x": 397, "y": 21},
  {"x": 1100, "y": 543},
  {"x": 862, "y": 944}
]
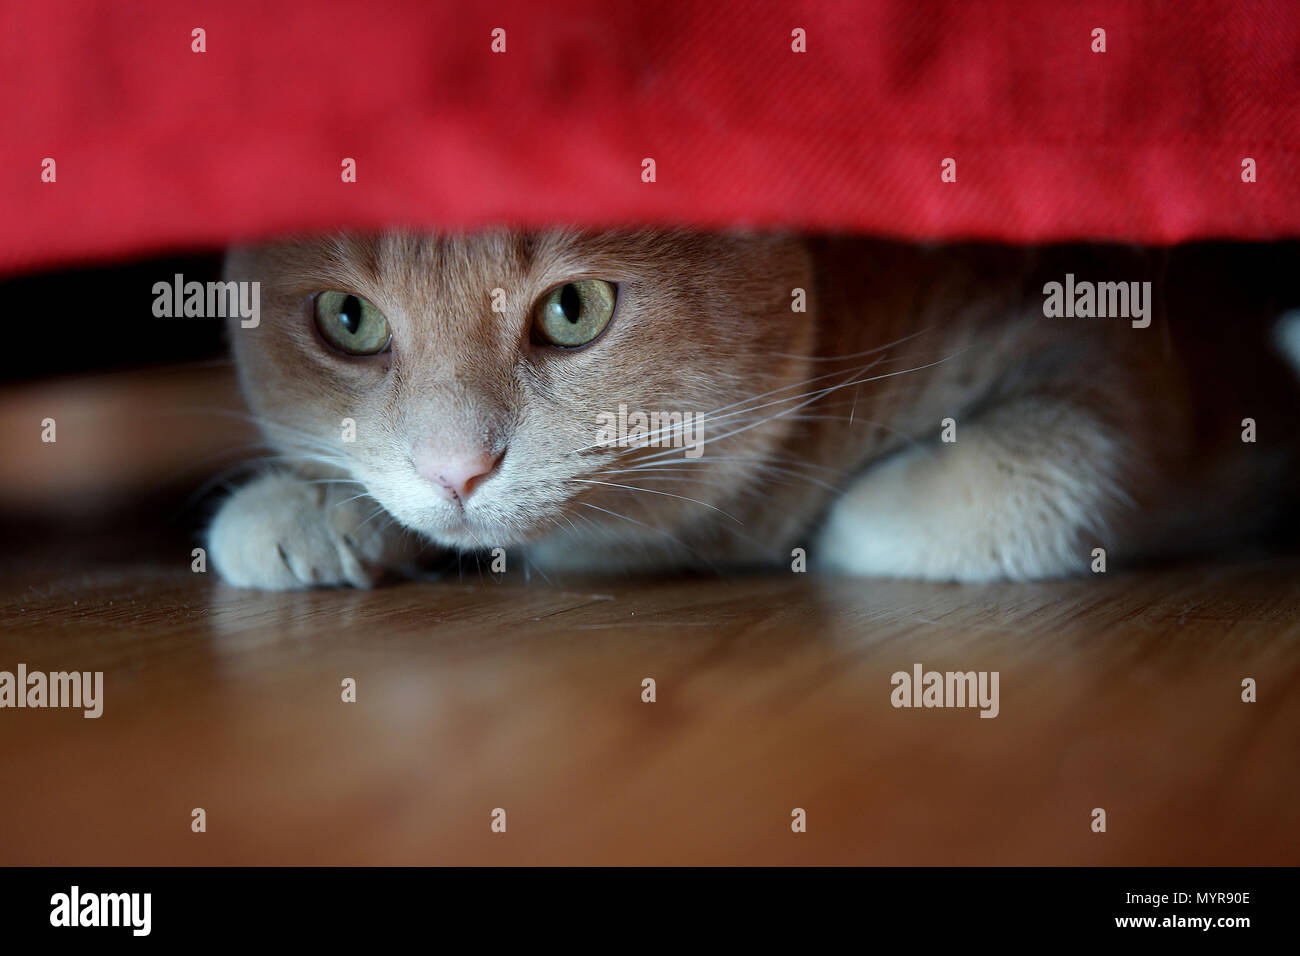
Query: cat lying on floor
[{"x": 888, "y": 409}]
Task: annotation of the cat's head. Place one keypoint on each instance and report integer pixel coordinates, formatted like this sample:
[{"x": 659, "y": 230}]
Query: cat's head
[{"x": 473, "y": 384}]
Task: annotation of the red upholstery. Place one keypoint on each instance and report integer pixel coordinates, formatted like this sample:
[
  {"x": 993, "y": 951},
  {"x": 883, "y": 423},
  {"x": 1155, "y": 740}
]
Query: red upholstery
[{"x": 160, "y": 147}]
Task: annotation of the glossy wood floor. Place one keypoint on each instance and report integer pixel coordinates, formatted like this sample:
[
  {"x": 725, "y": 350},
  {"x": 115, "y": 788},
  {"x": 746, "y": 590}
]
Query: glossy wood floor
[{"x": 1119, "y": 692}]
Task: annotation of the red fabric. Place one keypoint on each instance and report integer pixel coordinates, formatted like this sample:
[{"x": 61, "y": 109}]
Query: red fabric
[{"x": 159, "y": 147}]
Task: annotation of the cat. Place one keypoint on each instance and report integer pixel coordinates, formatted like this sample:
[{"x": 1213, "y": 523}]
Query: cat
[{"x": 877, "y": 408}]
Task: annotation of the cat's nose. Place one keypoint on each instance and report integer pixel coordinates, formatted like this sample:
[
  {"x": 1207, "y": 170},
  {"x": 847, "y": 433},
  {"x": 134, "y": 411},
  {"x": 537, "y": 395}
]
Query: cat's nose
[{"x": 457, "y": 475}]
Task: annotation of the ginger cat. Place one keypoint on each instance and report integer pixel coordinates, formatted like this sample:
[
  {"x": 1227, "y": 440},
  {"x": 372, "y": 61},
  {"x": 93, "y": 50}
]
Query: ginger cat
[{"x": 651, "y": 400}]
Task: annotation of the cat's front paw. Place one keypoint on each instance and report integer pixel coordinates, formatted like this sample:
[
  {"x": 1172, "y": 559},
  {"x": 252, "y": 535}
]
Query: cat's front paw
[
  {"x": 281, "y": 532},
  {"x": 961, "y": 514}
]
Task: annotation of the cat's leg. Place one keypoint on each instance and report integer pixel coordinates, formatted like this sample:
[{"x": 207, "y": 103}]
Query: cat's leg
[
  {"x": 1026, "y": 491},
  {"x": 283, "y": 531}
]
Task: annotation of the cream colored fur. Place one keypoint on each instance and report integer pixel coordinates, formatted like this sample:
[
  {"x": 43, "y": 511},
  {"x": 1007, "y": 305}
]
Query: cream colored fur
[{"x": 822, "y": 428}]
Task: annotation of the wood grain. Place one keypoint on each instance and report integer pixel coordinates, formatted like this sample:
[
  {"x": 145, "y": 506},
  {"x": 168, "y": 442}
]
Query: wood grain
[{"x": 1117, "y": 691}]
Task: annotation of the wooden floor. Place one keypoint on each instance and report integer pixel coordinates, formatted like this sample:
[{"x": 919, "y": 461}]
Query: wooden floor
[{"x": 1117, "y": 691}]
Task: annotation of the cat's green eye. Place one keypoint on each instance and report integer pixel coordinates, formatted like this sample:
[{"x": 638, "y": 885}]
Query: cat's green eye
[
  {"x": 575, "y": 313},
  {"x": 351, "y": 324}
]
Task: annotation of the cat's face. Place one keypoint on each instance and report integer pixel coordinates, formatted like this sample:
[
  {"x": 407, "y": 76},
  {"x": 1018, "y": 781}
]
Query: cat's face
[{"x": 471, "y": 425}]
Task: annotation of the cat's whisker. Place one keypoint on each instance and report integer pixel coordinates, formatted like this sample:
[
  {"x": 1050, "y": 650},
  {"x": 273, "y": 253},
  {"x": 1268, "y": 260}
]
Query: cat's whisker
[
  {"x": 615, "y": 514},
  {"x": 732, "y": 529},
  {"x": 364, "y": 494},
  {"x": 536, "y": 567},
  {"x": 766, "y": 470},
  {"x": 761, "y": 420},
  {"x": 713, "y": 417},
  {"x": 554, "y": 518},
  {"x": 850, "y": 419},
  {"x": 861, "y": 381},
  {"x": 814, "y": 397},
  {"x": 594, "y": 531},
  {"x": 651, "y": 491},
  {"x": 689, "y": 479},
  {"x": 713, "y": 414},
  {"x": 698, "y": 466},
  {"x": 758, "y": 458},
  {"x": 853, "y": 355},
  {"x": 381, "y": 510},
  {"x": 783, "y": 463}
]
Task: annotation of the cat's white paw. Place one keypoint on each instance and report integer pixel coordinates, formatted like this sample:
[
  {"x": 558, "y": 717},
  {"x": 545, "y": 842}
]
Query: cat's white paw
[
  {"x": 280, "y": 532},
  {"x": 955, "y": 515}
]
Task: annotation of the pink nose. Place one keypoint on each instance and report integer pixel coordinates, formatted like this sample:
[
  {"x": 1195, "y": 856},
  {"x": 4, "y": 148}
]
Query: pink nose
[{"x": 456, "y": 475}]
